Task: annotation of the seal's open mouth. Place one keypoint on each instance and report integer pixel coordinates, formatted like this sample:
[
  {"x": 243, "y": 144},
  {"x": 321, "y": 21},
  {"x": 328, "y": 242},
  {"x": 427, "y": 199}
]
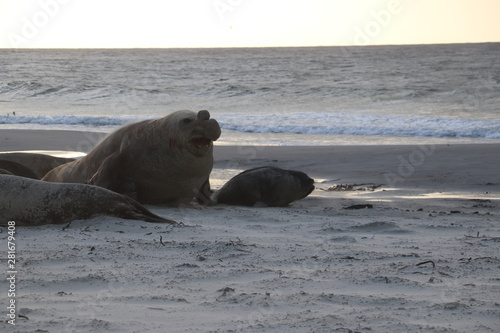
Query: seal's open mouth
[{"x": 200, "y": 143}]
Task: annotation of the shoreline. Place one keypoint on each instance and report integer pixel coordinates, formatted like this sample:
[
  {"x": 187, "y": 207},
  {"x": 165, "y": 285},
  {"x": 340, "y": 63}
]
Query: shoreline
[
  {"x": 76, "y": 140},
  {"x": 235, "y": 138}
]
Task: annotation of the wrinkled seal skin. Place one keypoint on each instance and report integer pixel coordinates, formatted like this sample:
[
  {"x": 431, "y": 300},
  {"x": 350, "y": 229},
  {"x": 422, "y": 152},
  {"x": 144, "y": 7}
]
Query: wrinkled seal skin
[
  {"x": 163, "y": 161},
  {"x": 31, "y": 202},
  {"x": 40, "y": 164},
  {"x": 17, "y": 169},
  {"x": 265, "y": 186}
]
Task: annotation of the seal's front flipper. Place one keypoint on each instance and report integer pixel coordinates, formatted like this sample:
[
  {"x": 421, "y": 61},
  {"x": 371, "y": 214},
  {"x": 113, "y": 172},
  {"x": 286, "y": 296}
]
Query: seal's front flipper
[
  {"x": 105, "y": 175},
  {"x": 204, "y": 195},
  {"x": 108, "y": 177}
]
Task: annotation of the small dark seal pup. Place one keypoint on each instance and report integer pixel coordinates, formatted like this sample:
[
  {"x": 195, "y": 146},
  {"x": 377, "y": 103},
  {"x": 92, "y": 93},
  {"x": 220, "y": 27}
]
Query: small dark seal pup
[{"x": 265, "y": 186}]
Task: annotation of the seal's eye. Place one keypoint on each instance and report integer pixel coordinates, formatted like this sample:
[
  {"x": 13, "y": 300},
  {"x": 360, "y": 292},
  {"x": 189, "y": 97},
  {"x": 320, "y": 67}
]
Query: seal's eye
[{"x": 187, "y": 120}]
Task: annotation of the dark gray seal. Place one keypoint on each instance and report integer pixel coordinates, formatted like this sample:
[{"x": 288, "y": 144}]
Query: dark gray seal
[
  {"x": 35, "y": 202},
  {"x": 40, "y": 164},
  {"x": 17, "y": 169},
  {"x": 162, "y": 161},
  {"x": 265, "y": 186}
]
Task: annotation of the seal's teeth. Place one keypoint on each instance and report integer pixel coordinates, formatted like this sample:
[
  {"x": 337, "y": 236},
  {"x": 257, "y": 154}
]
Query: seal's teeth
[{"x": 200, "y": 143}]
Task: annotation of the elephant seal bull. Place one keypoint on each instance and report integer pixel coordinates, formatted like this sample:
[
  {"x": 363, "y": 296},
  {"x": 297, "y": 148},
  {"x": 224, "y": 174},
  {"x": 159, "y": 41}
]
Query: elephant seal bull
[
  {"x": 265, "y": 186},
  {"x": 162, "y": 161},
  {"x": 33, "y": 202}
]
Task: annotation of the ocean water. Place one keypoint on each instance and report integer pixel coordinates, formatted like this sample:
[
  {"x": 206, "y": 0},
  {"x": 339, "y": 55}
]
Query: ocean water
[{"x": 281, "y": 96}]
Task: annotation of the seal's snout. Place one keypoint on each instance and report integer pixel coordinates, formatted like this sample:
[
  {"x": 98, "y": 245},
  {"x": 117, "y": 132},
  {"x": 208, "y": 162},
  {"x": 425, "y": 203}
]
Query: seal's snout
[
  {"x": 213, "y": 130},
  {"x": 307, "y": 184},
  {"x": 309, "y": 191},
  {"x": 203, "y": 115}
]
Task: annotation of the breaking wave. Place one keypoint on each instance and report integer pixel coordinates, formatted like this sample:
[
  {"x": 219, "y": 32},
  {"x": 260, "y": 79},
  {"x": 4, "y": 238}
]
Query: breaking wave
[
  {"x": 364, "y": 124},
  {"x": 324, "y": 123}
]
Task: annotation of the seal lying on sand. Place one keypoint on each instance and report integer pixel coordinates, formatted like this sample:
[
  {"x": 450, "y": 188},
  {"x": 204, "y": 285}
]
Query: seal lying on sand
[
  {"x": 265, "y": 186},
  {"x": 34, "y": 202},
  {"x": 40, "y": 164},
  {"x": 17, "y": 169},
  {"x": 162, "y": 161}
]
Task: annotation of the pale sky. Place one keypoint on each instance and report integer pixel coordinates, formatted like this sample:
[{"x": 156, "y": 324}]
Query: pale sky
[{"x": 244, "y": 23}]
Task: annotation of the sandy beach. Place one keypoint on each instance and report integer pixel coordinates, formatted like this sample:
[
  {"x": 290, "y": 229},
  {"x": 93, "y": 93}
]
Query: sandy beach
[{"x": 423, "y": 255}]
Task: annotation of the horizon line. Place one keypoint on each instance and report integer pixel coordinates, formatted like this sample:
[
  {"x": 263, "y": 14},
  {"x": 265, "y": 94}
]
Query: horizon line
[{"x": 237, "y": 47}]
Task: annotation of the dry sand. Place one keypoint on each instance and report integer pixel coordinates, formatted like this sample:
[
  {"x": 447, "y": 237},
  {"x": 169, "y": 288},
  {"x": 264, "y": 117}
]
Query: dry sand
[{"x": 424, "y": 258}]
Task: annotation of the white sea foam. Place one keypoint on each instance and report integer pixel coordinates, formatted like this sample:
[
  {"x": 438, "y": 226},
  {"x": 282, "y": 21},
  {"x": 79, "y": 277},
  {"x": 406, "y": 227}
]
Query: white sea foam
[
  {"x": 363, "y": 124},
  {"x": 66, "y": 120},
  {"x": 323, "y": 123}
]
